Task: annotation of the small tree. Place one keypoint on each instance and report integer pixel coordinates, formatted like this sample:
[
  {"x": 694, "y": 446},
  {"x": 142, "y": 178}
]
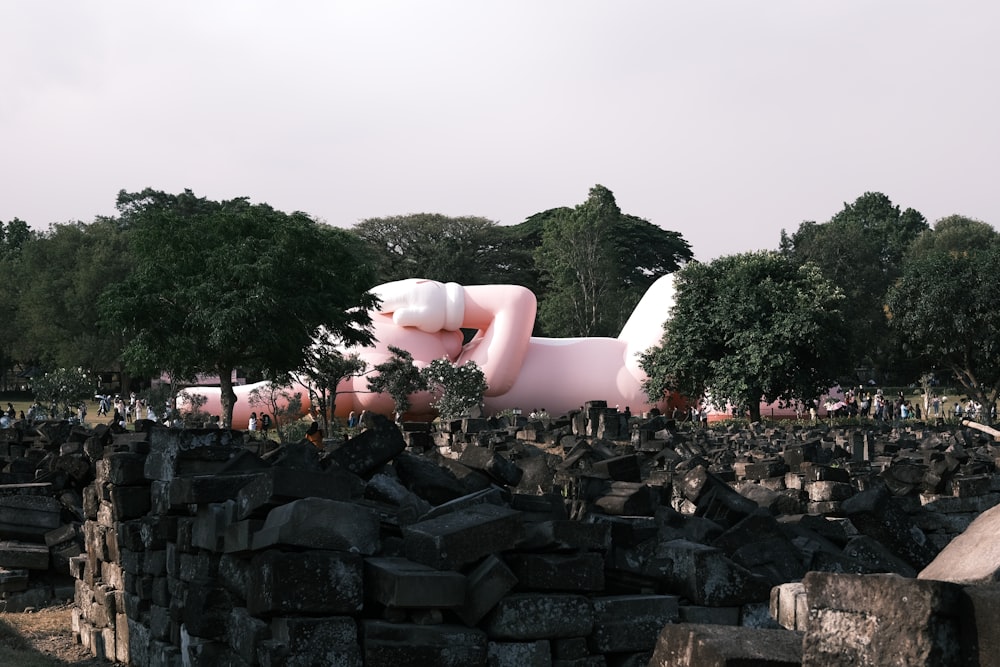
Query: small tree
[
  {"x": 281, "y": 402},
  {"x": 399, "y": 378},
  {"x": 324, "y": 368},
  {"x": 193, "y": 404},
  {"x": 63, "y": 390},
  {"x": 457, "y": 388}
]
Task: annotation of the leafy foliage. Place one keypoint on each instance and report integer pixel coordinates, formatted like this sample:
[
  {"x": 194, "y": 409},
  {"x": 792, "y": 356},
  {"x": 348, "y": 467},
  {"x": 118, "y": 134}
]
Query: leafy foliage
[
  {"x": 944, "y": 307},
  {"x": 222, "y": 285},
  {"x": 15, "y": 341},
  {"x": 596, "y": 264},
  {"x": 749, "y": 327},
  {"x": 860, "y": 250},
  {"x": 324, "y": 368},
  {"x": 65, "y": 389},
  {"x": 399, "y": 377},
  {"x": 457, "y": 388},
  {"x": 954, "y": 233},
  {"x": 283, "y": 404},
  {"x": 63, "y": 271},
  {"x": 430, "y": 245}
]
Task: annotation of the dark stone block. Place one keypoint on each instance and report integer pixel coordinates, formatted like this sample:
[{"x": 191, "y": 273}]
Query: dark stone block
[
  {"x": 527, "y": 616},
  {"x": 577, "y": 573},
  {"x": 310, "y": 582},
  {"x": 406, "y": 645},
  {"x": 452, "y": 540},
  {"x": 370, "y": 449}
]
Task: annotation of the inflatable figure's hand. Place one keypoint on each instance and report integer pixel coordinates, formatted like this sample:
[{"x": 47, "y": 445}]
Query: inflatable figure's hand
[{"x": 425, "y": 304}]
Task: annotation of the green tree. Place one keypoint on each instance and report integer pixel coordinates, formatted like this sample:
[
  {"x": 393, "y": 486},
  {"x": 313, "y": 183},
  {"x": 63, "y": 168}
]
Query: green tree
[
  {"x": 63, "y": 390},
  {"x": 64, "y": 271},
  {"x": 218, "y": 286},
  {"x": 432, "y": 246},
  {"x": 282, "y": 403},
  {"x": 747, "y": 328},
  {"x": 597, "y": 262},
  {"x": 457, "y": 388},
  {"x": 944, "y": 308},
  {"x": 14, "y": 343},
  {"x": 860, "y": 250},
  {"x": 955, "y": 233},
  {"x": 325, "y": 367},
  {"x": 399, "y": 378}
]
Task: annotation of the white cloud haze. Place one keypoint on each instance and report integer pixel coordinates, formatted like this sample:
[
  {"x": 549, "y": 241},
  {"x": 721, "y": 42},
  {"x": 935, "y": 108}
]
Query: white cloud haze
[{"x": 723, "y": 120}]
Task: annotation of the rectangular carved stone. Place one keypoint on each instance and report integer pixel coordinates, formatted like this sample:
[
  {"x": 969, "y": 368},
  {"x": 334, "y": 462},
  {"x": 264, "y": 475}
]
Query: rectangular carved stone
[
  {"x": 619, "y": 468},
  {"x": 332, "y": 640},
  {"x": 15, "y": 555},
  {"x": 519, "y": 654},
  {"x": 407, "y": 645},
  {"x": 175, "y": 452},
  {"x": 398, "y": 582},
  {"x": 579, "y": 572},
  {"x": 309, "y": 582},
  {"x": 630, "y": 623},
  {"x": 28, "y": 516},
  {"x": 129, "y": 502},
  {"x": 122, "y": 468},
  {"x": 629, "y": 499},
  {"x": 370, "y": 449},
  {"x": 452, "y": 540},
  {"x": 278, "y": 485},
  {"x": 493, "y": 464},
  {"x": 687, "y": 645},
  {"x": 525, "y": 616},
  {"x": 321, "y": 524},
  {"x": 197, "y": 489},
  {"x": 566, "y": 534},
  {"x": 863, "y": 620},
  {"x": 486, "y": 585}
]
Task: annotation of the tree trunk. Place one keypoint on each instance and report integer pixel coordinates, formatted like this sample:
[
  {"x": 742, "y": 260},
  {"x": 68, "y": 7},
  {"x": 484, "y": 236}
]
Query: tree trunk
[{"x": 226, "y": 396}]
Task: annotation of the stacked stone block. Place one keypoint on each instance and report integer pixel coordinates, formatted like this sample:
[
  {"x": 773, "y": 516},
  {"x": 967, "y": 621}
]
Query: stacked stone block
[{"x": 382, "y": 551}]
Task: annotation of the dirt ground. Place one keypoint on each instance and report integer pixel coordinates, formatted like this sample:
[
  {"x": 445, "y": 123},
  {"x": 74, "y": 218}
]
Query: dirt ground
[{"x": 42, "y": 638}]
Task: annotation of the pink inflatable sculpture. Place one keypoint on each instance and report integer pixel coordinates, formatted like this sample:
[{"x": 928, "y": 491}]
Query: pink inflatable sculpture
[{"x": 425, "y": 318}]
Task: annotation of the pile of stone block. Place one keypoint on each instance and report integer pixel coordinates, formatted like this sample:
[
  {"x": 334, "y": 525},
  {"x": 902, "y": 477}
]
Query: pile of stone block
[
  {"x": 43, "y": 470},
  {"x": 590, "y": 540}
]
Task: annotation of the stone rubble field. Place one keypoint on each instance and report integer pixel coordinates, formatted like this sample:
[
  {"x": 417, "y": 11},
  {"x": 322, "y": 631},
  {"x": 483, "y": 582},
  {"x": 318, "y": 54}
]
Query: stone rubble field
[{"x": 588, "y": 540}]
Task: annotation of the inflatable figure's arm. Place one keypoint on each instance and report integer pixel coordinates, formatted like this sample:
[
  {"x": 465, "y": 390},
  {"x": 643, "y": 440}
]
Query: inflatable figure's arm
[{"x": 504, "y": 316}]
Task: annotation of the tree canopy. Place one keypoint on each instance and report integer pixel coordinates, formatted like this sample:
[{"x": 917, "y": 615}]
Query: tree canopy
[
  {"x": 63, "y": 271},
  {"x": 218, "y": 286},
  {"x": 431, "y": 245},
  {"x": 750, "y": 327},
  {"x": 596, "y": 263},
  {"x": 860, "y": 250},
  {"x": 944, "y": 308}
]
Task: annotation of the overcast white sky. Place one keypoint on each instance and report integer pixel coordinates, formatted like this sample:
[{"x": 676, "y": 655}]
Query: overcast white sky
[{"x": 723, "y": 120}]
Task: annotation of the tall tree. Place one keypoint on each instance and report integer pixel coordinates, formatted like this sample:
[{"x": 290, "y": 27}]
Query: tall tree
[
  {"x": 747, "y": 328},
  {"x": 64, "y": 271},
  {"x": 225, "y": 285},
  {"x": 861, "y": 249},
  {"x": 432, "y": 246},
  {"x": 944, "y": 308},
  {"x": 597, "y": 262},
  {"x": 14, "y": 236}
]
